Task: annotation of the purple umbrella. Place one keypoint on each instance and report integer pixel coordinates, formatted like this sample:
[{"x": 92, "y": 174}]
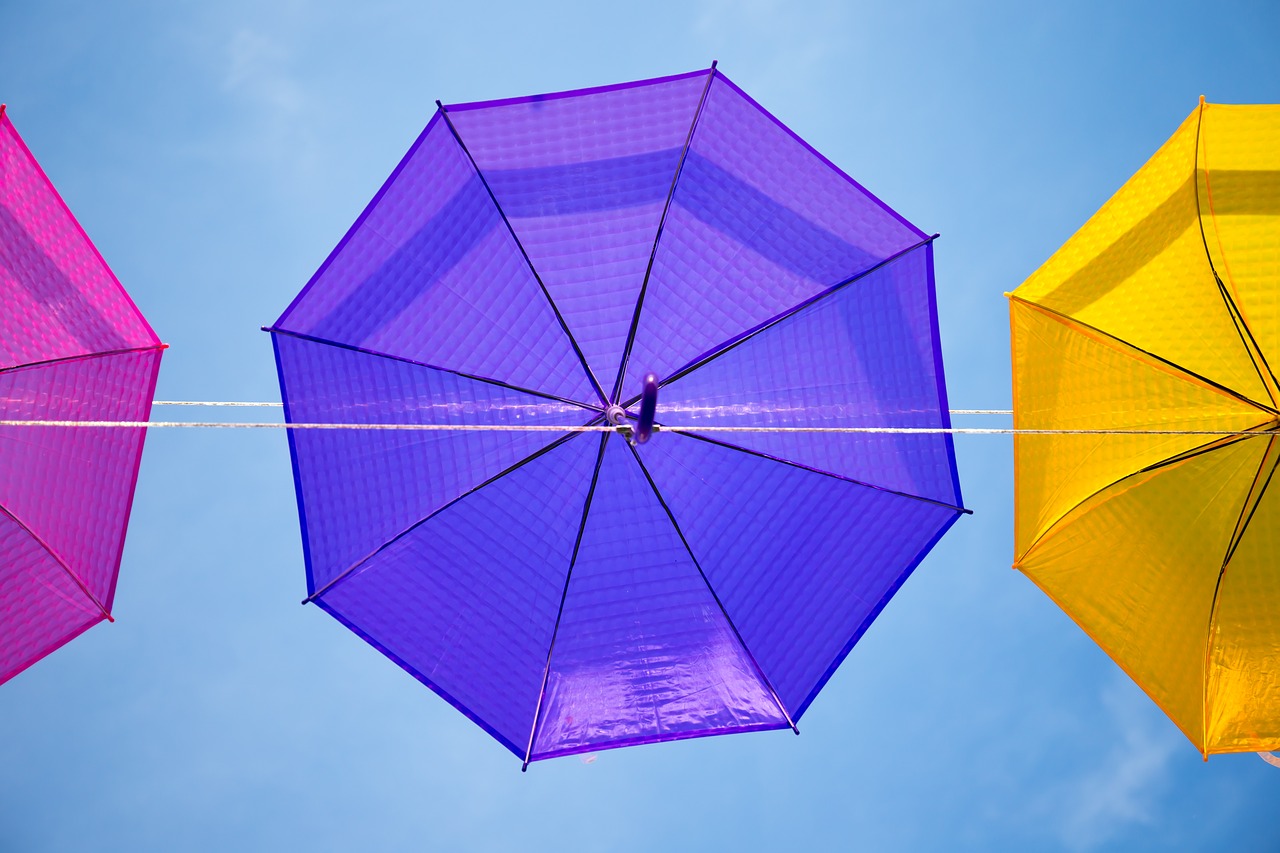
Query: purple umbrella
[{"x": 541, "y": 285}]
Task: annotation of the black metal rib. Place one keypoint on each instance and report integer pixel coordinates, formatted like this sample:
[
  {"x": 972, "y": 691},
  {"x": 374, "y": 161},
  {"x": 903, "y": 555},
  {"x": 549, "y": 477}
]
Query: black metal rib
[
  {"x": 1250, "y": 507},
  {"x": 671, "y": 516},
  {"x": 66, "y": 358},
  {"x": 1237, "y": 317},
  {"x": 474, "y": 377},
  {"x": 1247, "y": 511},
  {"x": 564, "y": 594},
  {"x": 738, "y": 340},
  {"x": 1199, "y": 450},
  {"x": 83, "y": 587},
  {"x": 1251, "y": 347},
  {"x": 1109, "y": 336},
  {"x": 653, "y": 253},
  {"x": 363, "y": 561},
  {"x": 739, "y": 448},
  {"x": 519, "y": 245}
]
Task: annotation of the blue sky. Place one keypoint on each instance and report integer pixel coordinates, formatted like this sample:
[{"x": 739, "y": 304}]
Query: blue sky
[{"x": 216, "y": 152}]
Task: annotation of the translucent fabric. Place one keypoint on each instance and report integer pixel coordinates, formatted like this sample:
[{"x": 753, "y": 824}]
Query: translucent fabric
[
  {"x": 73, "y": 347},
  {"x": 527, "y": 264},
  {"x": 1158, "y": 319}
]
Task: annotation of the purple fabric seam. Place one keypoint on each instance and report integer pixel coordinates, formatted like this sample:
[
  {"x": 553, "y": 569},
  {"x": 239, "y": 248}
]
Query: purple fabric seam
[
  {"x": 51, "y": 648},
  {"x": 766, "y": 682},
  {"x": 875, "y": 612},
  {"x": 133, "y": 483},
  {"x": 435, "y": 688},
  {"x": 297, "y": 474},
  {"x": 570, "y": 93},
  {"x": 564, "y": 595},
  {"x": 471, "y": 376},
  {"x": 555, "y": 309},
  {"x": 657, "y": 237},
  {"x": 365, "y": 563},
  {"x": 819, "y": 155},
  {"x": 368, "y": 209},
  {"x": 4, "y": 118},
  {"x": 783, "y": 316},
  {"x": 695, "y": 435},
  {"x": 663, "y": 738},
  {"x": 939, "y": 377}
]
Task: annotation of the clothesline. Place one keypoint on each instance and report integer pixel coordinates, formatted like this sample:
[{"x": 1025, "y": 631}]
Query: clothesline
[{"x": 563, "y": 428}]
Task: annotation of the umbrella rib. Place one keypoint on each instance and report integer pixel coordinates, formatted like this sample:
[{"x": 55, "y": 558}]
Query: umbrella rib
[
  {"x": 564, "y": 326},
  {"x": 727, "y": 618},
  {"x": 726, "y": 346},
  {"x": 1199, "y": 450},
  {"x": 66, "y": 358},
  {"x": 1251, "y": 347},
  {"x": 363, "y": 561},
  {"x": 1237, "y": 316},
  {"x": 58, "y": 559},
  {"x": 657, "y": 237},
  {"x": 564, "y": 594},
  {"x": 802, "y": 467},
  {"x": 1247, "y": 510},
  {"x": 472, "y": 376},
  {"x": 1164, "y": 361}
]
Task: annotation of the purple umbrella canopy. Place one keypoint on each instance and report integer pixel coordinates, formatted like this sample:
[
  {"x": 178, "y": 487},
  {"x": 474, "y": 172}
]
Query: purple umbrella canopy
[{"x": 496, "y": 329}]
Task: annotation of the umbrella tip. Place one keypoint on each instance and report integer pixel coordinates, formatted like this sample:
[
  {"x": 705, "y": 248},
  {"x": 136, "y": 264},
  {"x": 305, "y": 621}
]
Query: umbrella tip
[
  {"x": 714, "y": 62},
  {"x": 1202, "y": 100},
  {"x": 439, "y": 105}
]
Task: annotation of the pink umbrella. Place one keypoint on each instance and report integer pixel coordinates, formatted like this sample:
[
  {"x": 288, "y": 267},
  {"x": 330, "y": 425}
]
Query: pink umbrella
[{"x": 73, "y": 347}]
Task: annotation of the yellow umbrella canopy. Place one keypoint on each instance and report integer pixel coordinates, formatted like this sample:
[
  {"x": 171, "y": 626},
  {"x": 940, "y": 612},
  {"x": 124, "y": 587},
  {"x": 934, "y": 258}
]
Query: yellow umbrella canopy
[{"x": 1151, "y": 338}]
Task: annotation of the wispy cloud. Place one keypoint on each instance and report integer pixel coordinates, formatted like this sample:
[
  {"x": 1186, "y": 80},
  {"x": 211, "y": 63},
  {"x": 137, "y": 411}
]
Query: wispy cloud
[
  {"x": 275, "y": 108},
  {"x": 1124, "y": 789}
]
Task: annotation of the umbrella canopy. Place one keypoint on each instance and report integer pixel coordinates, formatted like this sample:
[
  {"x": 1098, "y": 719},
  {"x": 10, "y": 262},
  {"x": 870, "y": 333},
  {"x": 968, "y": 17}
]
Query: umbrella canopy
[
  {"x": 1160, "y": 318},
  {"x": 530, "y": 263},
  {"x": 73, "y": 347}
]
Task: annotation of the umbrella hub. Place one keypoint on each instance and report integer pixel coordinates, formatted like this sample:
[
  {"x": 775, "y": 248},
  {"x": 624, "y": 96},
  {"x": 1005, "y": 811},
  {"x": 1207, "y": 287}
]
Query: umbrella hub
[
  {"x": 616, "y": 415},
  {"x": 644, "y": 426}
]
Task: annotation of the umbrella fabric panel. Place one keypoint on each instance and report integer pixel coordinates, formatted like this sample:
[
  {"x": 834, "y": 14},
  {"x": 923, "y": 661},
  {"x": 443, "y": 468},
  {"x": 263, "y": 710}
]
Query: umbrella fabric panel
[
  {"x": 1138, "y": 271},
  {"x": 1069, "y": 376},
  {"x": 802, "y": 561},
  {"x": 860, "y": 356},
  {"x": 467, "y": 601},
  {"x": 41, "y": 606},
  {"x": 431, "y": 273},
  {"x": 1137, "y": 566},
  {"x": 643, "y": 652},
  {"x": 1240, "y": 210},
  {"x": 758, "y": 223},
  {"x": 583, "y": 178},
  {"x": 1244, "y": 638},
  {"x": 73, "y": 487},
  {"x": 60, "y": 298},
  {"x": 359, "y": 488}
]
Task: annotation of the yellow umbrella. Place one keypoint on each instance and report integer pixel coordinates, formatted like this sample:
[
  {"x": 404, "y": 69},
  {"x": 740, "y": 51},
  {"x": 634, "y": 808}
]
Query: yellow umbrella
[{"x": 1151, "y": 338}]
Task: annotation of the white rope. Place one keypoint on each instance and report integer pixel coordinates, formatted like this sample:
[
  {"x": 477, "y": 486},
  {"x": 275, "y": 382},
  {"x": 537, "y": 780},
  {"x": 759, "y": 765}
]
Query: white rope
[
  {"x": 562, "y": 428},
  {"x": 264, "y": 405},
  {"x": 217, "y": 403}
]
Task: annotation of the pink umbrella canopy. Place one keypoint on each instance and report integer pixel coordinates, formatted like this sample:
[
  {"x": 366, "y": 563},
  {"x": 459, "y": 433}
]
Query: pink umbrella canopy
[{"x": 73, "y": 347}]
